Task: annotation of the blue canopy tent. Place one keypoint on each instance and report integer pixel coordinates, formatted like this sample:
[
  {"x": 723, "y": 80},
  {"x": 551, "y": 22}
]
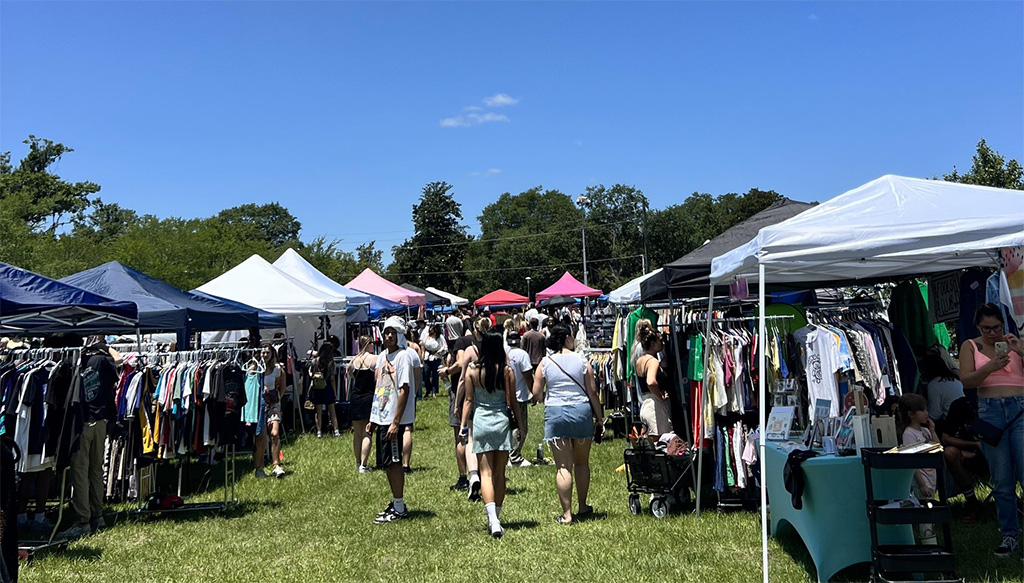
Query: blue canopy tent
[
  {"x": 32, "y": 303},
  {"x": 163, "y": 307},
  {"x": 380, "y": 307}
]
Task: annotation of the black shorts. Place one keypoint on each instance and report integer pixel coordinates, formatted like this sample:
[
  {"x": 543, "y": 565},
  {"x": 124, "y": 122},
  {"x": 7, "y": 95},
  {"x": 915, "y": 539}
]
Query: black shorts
[{"x": 389, "y": 451}]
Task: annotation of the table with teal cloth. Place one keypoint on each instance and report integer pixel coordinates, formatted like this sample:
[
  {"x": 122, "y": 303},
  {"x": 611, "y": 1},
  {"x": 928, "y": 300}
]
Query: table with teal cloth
[{"x": 833, "y": 522}]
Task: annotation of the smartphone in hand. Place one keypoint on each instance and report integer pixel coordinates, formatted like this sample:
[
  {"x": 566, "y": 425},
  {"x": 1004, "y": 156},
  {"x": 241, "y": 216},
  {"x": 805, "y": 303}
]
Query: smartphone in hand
[{"x": 1002, "y": 348}]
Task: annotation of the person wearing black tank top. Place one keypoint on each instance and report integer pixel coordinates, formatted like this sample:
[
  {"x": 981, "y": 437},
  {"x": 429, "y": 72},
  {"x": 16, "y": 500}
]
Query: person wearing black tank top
[
  {"x": 653, "y": 382},
  {"x": 361, "y": 371}
]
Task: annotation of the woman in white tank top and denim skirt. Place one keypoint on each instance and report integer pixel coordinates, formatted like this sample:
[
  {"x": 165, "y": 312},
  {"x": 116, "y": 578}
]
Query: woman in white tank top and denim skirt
[{"x": 572, "y": 415}]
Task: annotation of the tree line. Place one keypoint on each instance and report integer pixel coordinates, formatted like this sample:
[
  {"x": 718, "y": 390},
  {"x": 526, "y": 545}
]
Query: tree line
[{"x": 56, "y": 227}]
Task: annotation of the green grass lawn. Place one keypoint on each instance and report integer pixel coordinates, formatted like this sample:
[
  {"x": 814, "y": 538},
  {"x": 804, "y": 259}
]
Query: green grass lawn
[{"x": 317, "y": 525}]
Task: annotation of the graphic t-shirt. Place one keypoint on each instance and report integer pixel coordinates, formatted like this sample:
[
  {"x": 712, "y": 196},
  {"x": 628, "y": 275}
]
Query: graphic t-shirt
[
  {"x": 519, "y": 360},
  {"x": 394, "y": 370},
  {"x": 823, "y": 361},
  {"x": 99, "y": 380}
]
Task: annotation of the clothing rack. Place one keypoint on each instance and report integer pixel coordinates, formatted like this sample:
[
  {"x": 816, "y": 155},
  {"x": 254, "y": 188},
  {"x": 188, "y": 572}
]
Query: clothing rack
[
  {"x": 72, "y": 354},
  {"x": 148, "y": 473},
  {"x": 699, "y": 440}
]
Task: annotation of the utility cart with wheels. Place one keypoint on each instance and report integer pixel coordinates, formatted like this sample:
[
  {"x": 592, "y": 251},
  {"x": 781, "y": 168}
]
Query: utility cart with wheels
[
  {"x": 891, "y": 563},
  {"x": 649, "y": 471}
]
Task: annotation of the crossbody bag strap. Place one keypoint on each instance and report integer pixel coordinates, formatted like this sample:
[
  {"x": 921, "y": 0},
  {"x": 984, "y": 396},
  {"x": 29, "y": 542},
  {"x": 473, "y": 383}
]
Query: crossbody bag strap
[{"x": 570, "y": 376}]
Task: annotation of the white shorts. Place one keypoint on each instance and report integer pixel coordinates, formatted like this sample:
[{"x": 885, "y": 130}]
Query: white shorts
[{"x": 655, "y": 415}]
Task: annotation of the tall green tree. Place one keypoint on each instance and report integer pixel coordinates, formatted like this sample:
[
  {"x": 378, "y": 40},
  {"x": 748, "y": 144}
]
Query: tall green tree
[
  {"x": 990, "y": 168},
  {"x": 104, "y": 222},
  {"x": 367, "y": 255},
  {"x": 328, "y": 257},
  {"x": 616, "y": 217},
  {"x": 434, "y": 255},
  {"x": 678, "y": 229},
  {"x": 273, "y": 223},
  {"x": 46, "y": 201},
  {"x": 535, "y": 234}
]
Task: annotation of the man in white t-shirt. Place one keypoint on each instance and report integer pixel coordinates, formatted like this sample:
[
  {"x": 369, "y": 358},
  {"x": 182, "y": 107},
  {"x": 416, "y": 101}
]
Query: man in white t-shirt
[
  {"x": 395, "y": 378},
  {"x": 410, "y": 411},
  {"x": 522, "y": 369}
]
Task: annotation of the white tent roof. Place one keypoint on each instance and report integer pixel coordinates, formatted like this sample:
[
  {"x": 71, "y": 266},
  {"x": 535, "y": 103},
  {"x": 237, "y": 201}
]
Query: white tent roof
[
  {"x": 890, "y": 226},
  {"x": 295, "y": 265},
  {"x": 630, "y": 292},
  {"x": 454, "y": 299},
  {"x": 258, "y": 283}
]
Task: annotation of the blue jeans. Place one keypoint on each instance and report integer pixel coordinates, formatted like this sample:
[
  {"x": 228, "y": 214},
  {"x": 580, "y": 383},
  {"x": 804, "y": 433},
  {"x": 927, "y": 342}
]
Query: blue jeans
[
  {"x": 430, "y": 376},
  {"x": 1005, "y": 462}
]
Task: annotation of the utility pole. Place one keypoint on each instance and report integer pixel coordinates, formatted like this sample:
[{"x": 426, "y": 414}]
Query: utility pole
[{"x": 582, "y": 200}]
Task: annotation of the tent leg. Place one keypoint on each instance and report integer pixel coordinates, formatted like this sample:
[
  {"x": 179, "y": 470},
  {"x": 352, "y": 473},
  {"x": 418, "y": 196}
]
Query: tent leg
[
  {"x": 699, "y": 440},
  {"x": 762, "y": 405}
]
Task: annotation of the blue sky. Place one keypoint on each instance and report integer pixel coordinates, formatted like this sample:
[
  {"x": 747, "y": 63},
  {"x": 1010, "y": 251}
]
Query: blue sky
[{"x": 342, "y": 111}]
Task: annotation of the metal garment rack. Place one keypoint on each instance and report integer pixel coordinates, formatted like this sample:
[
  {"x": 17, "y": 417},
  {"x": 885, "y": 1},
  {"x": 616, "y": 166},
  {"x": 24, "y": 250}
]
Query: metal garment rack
[
  {"x": 148, "y": 474},
  {"x": 761, "y": 403},
  {"x": 27, "y": 355}
]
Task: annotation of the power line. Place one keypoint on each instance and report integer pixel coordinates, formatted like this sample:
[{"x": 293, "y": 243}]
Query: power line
[
  {"x": 513, "y": 268},
  {"x": 504, "y": 238}
]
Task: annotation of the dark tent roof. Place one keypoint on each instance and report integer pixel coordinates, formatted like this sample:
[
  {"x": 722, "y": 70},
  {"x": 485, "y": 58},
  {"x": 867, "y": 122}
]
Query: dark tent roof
[
  {"x": 432, "y": 298},
  {"x": 162, "y": 307},
  {"x": 30, "y": 302},
  {"x": 688, "y": 275},
  {"x": 267, "y": 319}
]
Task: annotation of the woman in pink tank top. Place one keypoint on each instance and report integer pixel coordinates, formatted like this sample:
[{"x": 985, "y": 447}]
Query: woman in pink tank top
[{"x": 999, "y": 377}]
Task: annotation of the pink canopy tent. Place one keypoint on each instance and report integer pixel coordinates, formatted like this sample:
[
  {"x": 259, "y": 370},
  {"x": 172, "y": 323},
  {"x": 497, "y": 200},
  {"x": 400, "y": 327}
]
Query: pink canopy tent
[
  {"x": 371, "y": 283},
  {"x": 567, "y": 285}
]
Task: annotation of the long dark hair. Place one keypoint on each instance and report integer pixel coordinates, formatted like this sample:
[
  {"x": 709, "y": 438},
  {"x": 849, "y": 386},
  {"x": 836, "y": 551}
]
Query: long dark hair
[
  {"x": 325, "y": 357},
  {"x": 492, "y": 359},
  {"x": 934, "y": 366},
  {"x": 557, "y": 335}
]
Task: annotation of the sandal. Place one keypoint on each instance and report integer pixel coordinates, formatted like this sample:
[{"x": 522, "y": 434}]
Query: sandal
[{"x": 561, "y": 520}]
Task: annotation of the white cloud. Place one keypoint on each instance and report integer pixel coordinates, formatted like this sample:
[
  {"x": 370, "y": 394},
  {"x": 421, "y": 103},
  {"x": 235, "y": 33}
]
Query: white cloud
[
  {"x": 485, "y": 173},
  {"x": 472, "y": 108},
  {"x": 500, "y": 100},
  {"x": 472, "y": 119}
]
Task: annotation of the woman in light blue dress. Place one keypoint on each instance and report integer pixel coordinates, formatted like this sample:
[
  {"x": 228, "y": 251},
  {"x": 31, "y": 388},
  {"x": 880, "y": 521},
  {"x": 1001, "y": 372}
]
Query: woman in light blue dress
[{"x": 490, "y": 394}]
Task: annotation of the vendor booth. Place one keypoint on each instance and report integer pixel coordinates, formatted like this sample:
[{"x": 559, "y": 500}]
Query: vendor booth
[
  {"x": 629, "y": 293},
  {"x": 892, "y": 227},
  {"x": 256, "y": 282},
  {"x": 296, "y": 266},
  {"x": 567, "y": 285},
  {"x": 163, "y": 307},
  {"x": 371, "y": 283},
  {"x": 30, "y": 302},
  {"x": 501, "y": 298},
  {"x": 452, "y": 298}
]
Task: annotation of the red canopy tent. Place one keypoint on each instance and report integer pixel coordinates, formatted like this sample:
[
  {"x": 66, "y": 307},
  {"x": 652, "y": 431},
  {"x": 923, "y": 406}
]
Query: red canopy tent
[
  {"x": 567, "y": 285},
  {"x": 502, "y": 297}
]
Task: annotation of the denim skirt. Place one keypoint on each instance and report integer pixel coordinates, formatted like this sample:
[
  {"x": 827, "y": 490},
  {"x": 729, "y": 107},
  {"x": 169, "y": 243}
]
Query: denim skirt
[{"x": 575, "y": 421}]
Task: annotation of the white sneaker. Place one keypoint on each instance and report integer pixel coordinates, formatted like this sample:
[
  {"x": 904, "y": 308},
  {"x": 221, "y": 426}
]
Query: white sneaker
[
  {"x": 278, "y": 472},
  {"x": 525, "y": 463},
  {"x": 337, "y": 433},
  {"x": 260, "y": 473},
  {"x": 319, "y": 435},
  {"x": 364, "y": 470}
]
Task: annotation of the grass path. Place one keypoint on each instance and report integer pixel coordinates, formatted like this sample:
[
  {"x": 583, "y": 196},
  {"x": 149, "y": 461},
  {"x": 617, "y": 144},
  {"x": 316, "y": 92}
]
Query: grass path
[{"x": 317, "y": 525}]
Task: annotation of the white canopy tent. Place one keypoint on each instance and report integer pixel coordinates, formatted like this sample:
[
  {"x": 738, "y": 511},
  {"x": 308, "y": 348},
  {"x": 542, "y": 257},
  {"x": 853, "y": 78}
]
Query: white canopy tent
[
  {"x": 630, "y": 292},
  {"x": 258, "y": 283},
  {"x": 293, "y": 264},
  {"x": 454, "y": 299},
  {"x": 892, "y": 226}
]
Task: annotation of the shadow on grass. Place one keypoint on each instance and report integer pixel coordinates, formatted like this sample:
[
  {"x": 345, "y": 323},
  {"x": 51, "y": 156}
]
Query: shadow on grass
[
  {"x": 421, "y": 514},
  {"x": 89, "y": 554},
  {"x": 520, "y": 524},
  {"x": 234, "y": 511},
  {"x": 592, "y": 515}
]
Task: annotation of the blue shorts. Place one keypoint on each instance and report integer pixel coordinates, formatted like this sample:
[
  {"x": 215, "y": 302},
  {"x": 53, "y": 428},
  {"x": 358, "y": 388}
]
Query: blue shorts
[{"x": 575, "y": 421}]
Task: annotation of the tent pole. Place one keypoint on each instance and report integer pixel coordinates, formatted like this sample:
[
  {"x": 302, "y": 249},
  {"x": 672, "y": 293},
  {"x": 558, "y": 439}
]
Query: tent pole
[
  {"x": 762, "y": 402},
  {"x": 699, "y": 440}
]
